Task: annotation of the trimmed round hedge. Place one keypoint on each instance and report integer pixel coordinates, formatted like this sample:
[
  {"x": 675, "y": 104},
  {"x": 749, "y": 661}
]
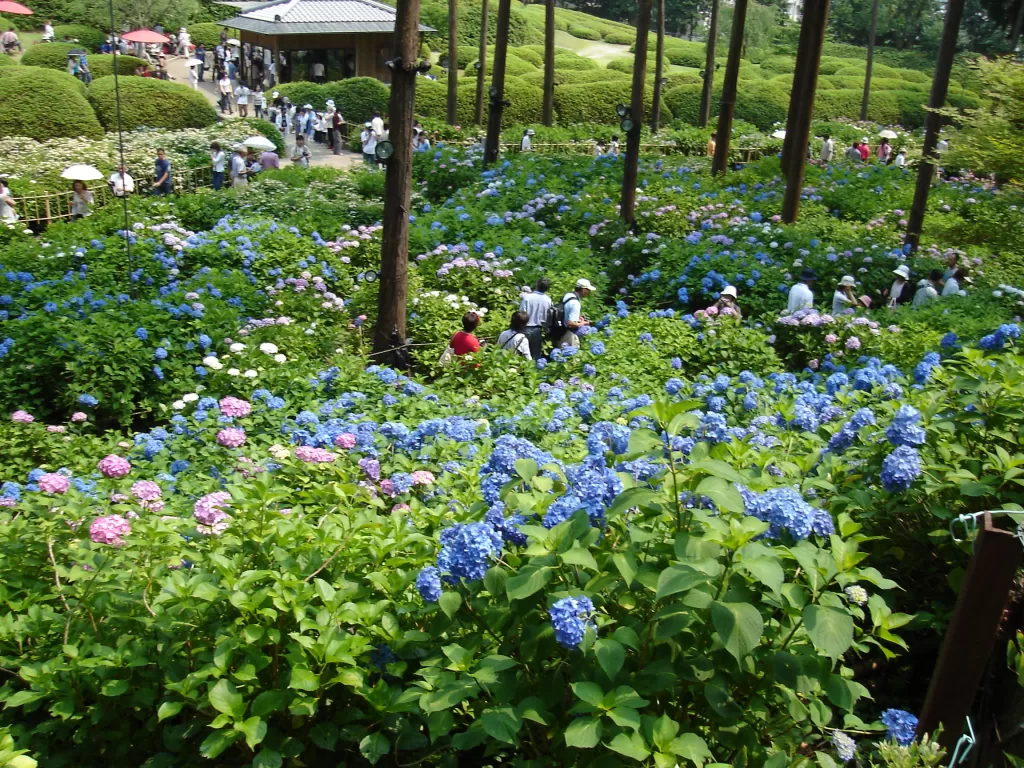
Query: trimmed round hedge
[
  {"x": 87, "y": 37},
  {"x": 583, "y": 33},
  {"x": 576, "y": 76},
  {"x": 514, "y": 65},
  {"x": 573, "y": 61},
  {"x": 48, "y": 55},
  {"x": 588, "y": 104},
  {"x": 150, "y": 103},
  {"x": 356, "y": 97},
  {"x": 528, "y": 55},
  {"x": 627, "y": 63},
  {"x": 207, "y": 33},
  {"x": 43, "y": 104},
  {"x": 620, "y": 38},
  {"x": 526, "y": 108},
  {"x": 7, "y": 61},
  {"x": 102, "y": 64}
]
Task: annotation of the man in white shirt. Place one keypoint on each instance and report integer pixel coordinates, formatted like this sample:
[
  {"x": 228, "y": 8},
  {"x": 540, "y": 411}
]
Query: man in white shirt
[
  {"x": 121, "y": 183},
  {"x": 800, "y": 295},
  {"x": 318, "y": 71},
  {"x": 239, "y": 170},
  {"x": 48, "y": 33},
  {"x": 8, "y": 215},
  {"x": 526, "y": 144},
  {"x": 828, "y": 149},
  {"x": 537, "y": 306},
  {"x": 901, "y": 158},
  {"x": 572, "y": 307},
  {"x": 368, "y": 138},
  {"x": 377, "y": 123},
  {"x": 217, "y": 160},
  {"x": 225, "y": 90}
]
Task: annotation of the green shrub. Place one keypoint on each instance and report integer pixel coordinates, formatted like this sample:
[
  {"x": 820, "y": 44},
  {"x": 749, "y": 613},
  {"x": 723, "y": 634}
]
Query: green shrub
[
  {"x": 684, "y": 101},
  {"x": 431, "y": 98},
  {"x": 87, "y": 37},
  {"x": 576, "y": 76},
  {"x": 526, "y": 107},
  {"x": 102, "y": 64},
  {"x": 764, "y": 107},
  {"x": 844, "y": 51},
  {"x": 683, "y": 53},
  {"x": 267, "y": 129},
  {"x": 305, "y": 92},
  {"x": 7, "y": 61},
  {"x": 358, "y": 97},
  {"x": 843, "y": 102},
  {"x": 620, "y": 38},
  {"x": 425, "y": 50},
  {"x": 514, "y": 66},
  {"x": 584, "y": 33},
  {"x": 883, "y": 107},
  {"x": 856, "y": 71},
  {"x": 151, "y": 103},
  {"x": 43, "y": 104},
  {"x": 779, "y": 64},
  {"x": 913, "y": 76},
  {"x": 626, "y": 64},
  {"x": 48, "y": 55},
  {"x": 912, "y": 108},
  {"x": 529, "y": 55},
  {"x": 207, "y": 33},
  {"x": 683, "y": 78},
  {"x": 573, "y": 61},
  {"x": 588, "y": 104},
  {"x": 829, "y": 66}
]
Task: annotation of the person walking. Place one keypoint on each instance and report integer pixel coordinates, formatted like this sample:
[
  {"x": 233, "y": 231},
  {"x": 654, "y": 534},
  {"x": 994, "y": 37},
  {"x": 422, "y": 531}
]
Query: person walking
[
  {"x": 883, "y": 151},
  {"x": 121, "y": 183},
  {"x": 337, "y": 121},
  {"x": 526, "y": 144},
  {"x": 901, "y": 158},
  {"x": 853, "y": 153},
  {"x": 81, "y": 200},
  {"x": 259, "y": 101},
  {"x": 274, "y": 107},
  {"x": 162, "y": 184},
  {"x": 300, "y": 155},
  {"x": 368, "y": 140},
  {"x": 318, "y": 72},
  {"x": 800, "y": 295},
  {"x": 537, "y": 306},
  {"x": 712, "y": 145},
  {"x": 242, "y": 94},
  {"x": 828, "y": 149},
  {"x": 193, "y": 78},
  {"x": 217, "y": 162},
  {"x": 572, "y": 313},
  {"x": 465, "y": 342},
  {"x": 864, "y": 149},
  {"x": 83, "y": 69},
  {"x": 48, "y": 33},
  {"x": 514, "y": 338},
  {"x": 201, "y": 55},
  {"x": 239, "y": 170},
  {"x": 377, "y": 123},
  {"x": 225, "y": 90},
  {"x": 269, "y": 160},
  {"x": 900, "y": 291},
  {"x": 843, "y": 297},
  {"x": 8, "y": 214}
]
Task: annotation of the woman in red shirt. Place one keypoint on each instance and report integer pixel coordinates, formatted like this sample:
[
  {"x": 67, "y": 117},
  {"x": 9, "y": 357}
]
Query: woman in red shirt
[{"x": 464, "y": 342}]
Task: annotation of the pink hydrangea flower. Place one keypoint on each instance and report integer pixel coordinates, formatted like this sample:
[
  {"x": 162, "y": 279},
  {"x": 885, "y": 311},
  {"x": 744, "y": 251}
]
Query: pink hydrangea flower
[
  {"x": 853, "y": 343},
  {"x": 120, "y": 498},
  {"x": 209, "y": 509},
  {"x": 231, "y": 437},
  {"x": 314, "y": 455},
  {"x": 345, "y": 440},
  {"x": 109, "y": 530},
  {"x": 422, "y": 477},
  {"x": 711, "y": 311},
  {"x": 387, "y": 487},
  {"x": 831, "y": 338},
  {"x": 114, "y": 466},
  {"x": 234, "y": 407},
  {"x": 22, "y": 417},
  {"x": 401, "y": 508},
  {"x": 146, "y": 490},
  {"x": 78, "y": 416},
  {"x": 54, "y": 483},
  {"x": 6, "y": 502},
  {"x": 55, "y": 428}
]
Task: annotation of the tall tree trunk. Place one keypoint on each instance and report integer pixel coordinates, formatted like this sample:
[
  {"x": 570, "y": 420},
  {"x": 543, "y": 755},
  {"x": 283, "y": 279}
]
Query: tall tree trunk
[
  {"x": 1015, "y": 34},
  {"x": 453, "y": 62},
  {"x": 816, "y": 19},
  {"x": 933, "y": 121},
  {"x": 481, "y": 71},
  {"x": 631, "y": 169},
  {"x": 658, "y": 66},
  {"x": 496, "y": 102},
  {"x": 548, "y": 117},
  {"x": 800, "y": 75},
  {"x": 871, "y": 56},
  {"x": 389, "y": 330},
  {"x": 727, "y": 106},
  {"x": 709, "y": 67}
]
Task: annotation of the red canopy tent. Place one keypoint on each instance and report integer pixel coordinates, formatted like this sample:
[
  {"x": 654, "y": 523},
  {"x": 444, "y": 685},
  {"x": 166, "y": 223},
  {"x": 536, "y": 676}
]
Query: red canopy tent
[
  {"x": 9, "y": 6},
  {"x": 139, "y": 35}
]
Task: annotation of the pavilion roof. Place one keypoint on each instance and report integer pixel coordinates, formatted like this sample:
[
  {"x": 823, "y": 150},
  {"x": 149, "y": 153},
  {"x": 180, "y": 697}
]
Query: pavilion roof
[{"x": 316, "y": 17}]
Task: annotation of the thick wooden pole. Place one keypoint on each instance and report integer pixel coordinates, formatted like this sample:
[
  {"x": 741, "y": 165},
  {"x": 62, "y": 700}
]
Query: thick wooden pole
[
  {"x": 728, "y": 103},
  {"x": 796, "y": 92},
  {"x": 631, "y": 170},
  {"x": 816, "y": 19},
  {"x": 871, "y": 56},
  {"x": 971, "y": 633},
  {"x": 453, "y": 62},
  {"x": 548, "y": 116},
  {"x": 1015, "y": 34},
  {"x": 496, "y": 102},
  {"x": 933, "y": 121},
  {"x": 481, "y": 72},
  {"x": 659, "y": 49},
  {"x": 709, "y": 67},
  {"x": 389, "y": 330}
]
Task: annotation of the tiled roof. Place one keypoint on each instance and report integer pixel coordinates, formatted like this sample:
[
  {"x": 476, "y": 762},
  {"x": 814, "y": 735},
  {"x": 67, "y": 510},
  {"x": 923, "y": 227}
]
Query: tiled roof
[{"x": 299, "y": 17}]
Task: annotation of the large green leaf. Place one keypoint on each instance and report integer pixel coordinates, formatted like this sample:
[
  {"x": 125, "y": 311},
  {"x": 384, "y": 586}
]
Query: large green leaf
[
  {"x": 268, "y": 758},
  {"x": 722, "y": 492},
  {"x": 254, "y": 730},
  {"x": 678, "y": 578},
  {"x": 502, "y": 723},
  {"x": 830, "y": 629},
  {"x": 225, "y": 698},
  {"x": 591, "y": 693},
  {"x": 631, "y": 745},
  {"x": 766, "y": 570},
  {"x": 448, "y": 696},
  {"x": 303, "y": 679},
  {"x": 525, "y": 584},
  {"x": 739, "y": 625},
  {"x": 214, "y": 744},
  {"x": 374, "y": 747},
  {"x": 692, "y": 747},
  {"x": 450, "y": 602},
  {"x": 583, "y": 732},
  {"x": 610, "y": 655}
]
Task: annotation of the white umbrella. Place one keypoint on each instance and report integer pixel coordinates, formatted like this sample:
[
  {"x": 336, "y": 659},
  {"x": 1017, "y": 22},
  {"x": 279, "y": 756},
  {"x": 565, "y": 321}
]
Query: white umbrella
[
  {"x": 81, "y": 173},
  {"x": 259, "y": 142},
  {"x": 887, "y": 134},
  {"x": 194, "y": 62},
  {"x": 232, "y": 41},
  {"x": 779, "y": 134}
]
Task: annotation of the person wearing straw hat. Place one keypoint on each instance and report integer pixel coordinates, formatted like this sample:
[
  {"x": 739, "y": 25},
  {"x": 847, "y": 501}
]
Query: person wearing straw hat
[
  {"x": 239, "y": 169},
  {"x": 726, "y": 304},
  {"x": 843, "y": 297},
  {"x": 900, "y": 292},
  {"x": 901, "y": 158},
  {"x": 526, "y": 144},
  {"x": 800, "y": 295}
]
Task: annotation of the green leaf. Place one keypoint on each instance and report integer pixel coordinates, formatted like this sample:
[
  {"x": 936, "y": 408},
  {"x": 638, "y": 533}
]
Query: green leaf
[
  {"x": 303, "y": 679},
  {"x": 268, "y": 758},
  {"x": 588, "y": 692},
  {"x": 169, "y": 709},
  {"x": 678, "y": 578},
  {"x": 625, "y": 717},
  {"x": 579, "y": 556},
  {"x": 502, "y": 723},
  {"x": 214, "y": 744},
  {"x": 440, "y": 724},
  {"x": 692, "y": 747},
  {"x": 527, "y": 583},
  {"x": 526, "y": 468},
  {"x": 626, "y": 564},
  {"x": 225, "y": 698},
  {"x": 739, "y": 625},
  {"x": 374, "y": 747},
  {"x": 267, "y": 702},
  {"x": 21, "y": 698},
  {"x": 665, "y": 729},
  {"x": 583, "y": 733},
  {"x": 830, "y": 629},
  {"x": 114, "y": 687},
  {"x": 722, "y": 492},
  {"x": 627, "y": 636},
  {"x": 644, "y": 441},
  {"x": 632, "y": 746},
  {"x": 495, "y": 580},
  {"x": 610, "y": 655},
  {"x": 254, "y": 729},
  {"x": 449, "y": 696},
  {"x": 766, "y": 570},
  {"x": 450, "y": 602},
  {"x": 325, "y": 590}
]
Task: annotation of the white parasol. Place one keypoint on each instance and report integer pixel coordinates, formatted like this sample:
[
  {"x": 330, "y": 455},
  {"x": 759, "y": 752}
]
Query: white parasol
[
  {"x": 259, "y": 142},
  {"x": 779, "y": 134},
  {"x": 81, "y": 173},
  {"x": 194, "y": 62},
  {"x": 233, "y": 41},
  {"x": 887, "y": 134}
]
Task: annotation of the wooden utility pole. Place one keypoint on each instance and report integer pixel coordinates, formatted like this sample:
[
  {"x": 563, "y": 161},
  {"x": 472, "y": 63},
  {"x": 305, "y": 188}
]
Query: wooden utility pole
[
  {"x": 871, "y": 56},
  {"x": 548, "y": 115},
  {"x": 796, "y": 92},
  {"x": 453, "y": 62},
  {"x": 971, "y": 633},
  {"x": 1015, "y": 34},
  {"x": 636, "y": 114},
  {"x": 659, "y": 49},
  {"x": 933, "y": 121},
  {"x": 389, "y": 330},
  {"x": 481, "y": 70},
  {"x": 728, "y": 103},
  {"x": 709, "y": 67},
  {"x": 816, "y": 19},
  {"x": 496, "y": 101}
]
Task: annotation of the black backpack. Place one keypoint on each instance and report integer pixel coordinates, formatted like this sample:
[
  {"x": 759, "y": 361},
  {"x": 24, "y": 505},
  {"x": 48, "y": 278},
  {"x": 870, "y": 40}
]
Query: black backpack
[{"x": 556, "y": 326}]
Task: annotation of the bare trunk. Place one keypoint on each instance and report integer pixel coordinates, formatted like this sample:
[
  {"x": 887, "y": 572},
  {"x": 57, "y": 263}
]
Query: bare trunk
[
  {"x": 453, "y": 62},
  {"x": 709, "y": 67},
  {"x": 481, "y": 72},
  {"x": 871, "y": 56},
  {"x": 660, "y": 52},
  {"x": 727, "y": 106},
  {"x": 631, "y": 169},
  {"x": 548, "y": 117},
  {"x": 496, "y": 102}
]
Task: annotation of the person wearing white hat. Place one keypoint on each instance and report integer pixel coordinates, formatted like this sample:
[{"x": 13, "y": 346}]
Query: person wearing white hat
[
  {"x": 865, "y": 149},
  {"x": 843, "y": 297},
  {"x": 337, "y": 121},
  {"x": 275, "y": 107},
  {"x": 526, "y": 145},
  {"x": 726, "y": 304},
  {"x": 368, "y": 139},
  {"x": 239, "y": 170},
  {"x": 572, "y": 314},
  {"x": 900, "y": 292}
]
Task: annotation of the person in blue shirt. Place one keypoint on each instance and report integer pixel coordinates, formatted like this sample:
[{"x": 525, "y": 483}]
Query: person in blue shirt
[
  {"x": 162, "y": 174},
  {"x": 572, "y": 304}
]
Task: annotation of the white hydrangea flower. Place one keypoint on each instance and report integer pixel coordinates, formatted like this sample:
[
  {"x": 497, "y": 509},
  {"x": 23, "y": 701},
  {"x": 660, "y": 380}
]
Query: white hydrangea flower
[
  {"x": 234, "y": 372},
  {"x": 191, "y": 397},
  {"x": 250, "y": 374},
  {"x": 268, "y": 349},
  {"x": 212, "y": 362},
  {"x": 280, "y": 358},
  {"x": 178, "y": 405},
  {"x": 237, "y": 347}
]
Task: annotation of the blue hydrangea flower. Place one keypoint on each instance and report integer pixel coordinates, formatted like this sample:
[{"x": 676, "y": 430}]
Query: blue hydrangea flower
[
  {"x": 904, "y": 429},
  {"x": 88, "y": 400},
  {"x": 901, "y": 726},
  {"x": 570, "y": 618},
  {"x": 846, "y": 748},
  {"x": 900, "y": 469},
  {"x": 428, "y": 583},
  {"x": 468, "y": 549}
]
